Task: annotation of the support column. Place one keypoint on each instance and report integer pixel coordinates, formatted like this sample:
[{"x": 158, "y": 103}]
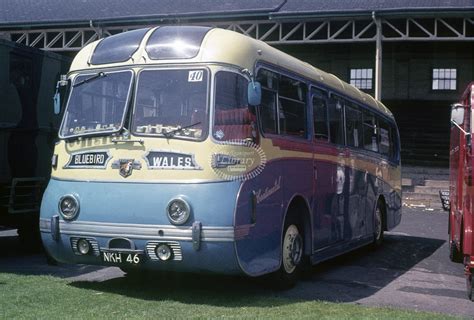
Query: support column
[{"x": 378, "y": 58}]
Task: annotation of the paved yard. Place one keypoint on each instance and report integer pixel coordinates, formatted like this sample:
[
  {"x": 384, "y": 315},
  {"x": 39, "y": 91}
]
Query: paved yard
[{"x": 412, "y": 270}]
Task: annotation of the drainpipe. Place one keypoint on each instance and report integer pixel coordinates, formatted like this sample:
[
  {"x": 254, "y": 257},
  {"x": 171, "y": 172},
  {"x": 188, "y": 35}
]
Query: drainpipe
[
  {"x": 99, "y": 31},
  {"x": 378, "y": 57}
]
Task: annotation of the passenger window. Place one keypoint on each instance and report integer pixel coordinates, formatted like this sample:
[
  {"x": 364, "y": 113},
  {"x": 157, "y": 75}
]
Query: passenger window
[
  {"x": 292, "y": 107},
  {"x": 394, "y": 142},
  {"x": 291, "y": 89},
  {"x": 320, "y": 114},
  {"x": 268, "y": 79},
  {"x": 283, "y": 107},
  {"x": 232, "y": 119},
  {"x": 384, "y": 138},
  {"x": 292, "y": 116},
  {"x": 267, "y": 111},
  {"x": 353, "y": 127},
  {"x": 336, "y": 122},
  {"x": 370, "y": 132}
]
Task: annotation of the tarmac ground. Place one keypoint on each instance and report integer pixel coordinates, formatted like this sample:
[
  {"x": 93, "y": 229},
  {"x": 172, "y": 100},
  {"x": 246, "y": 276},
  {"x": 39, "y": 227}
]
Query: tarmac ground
[{"x": 411, "y": 270}]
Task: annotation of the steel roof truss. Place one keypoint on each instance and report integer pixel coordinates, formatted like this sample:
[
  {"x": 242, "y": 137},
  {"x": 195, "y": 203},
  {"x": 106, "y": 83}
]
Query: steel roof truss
[{"x": 276, "y": 32}]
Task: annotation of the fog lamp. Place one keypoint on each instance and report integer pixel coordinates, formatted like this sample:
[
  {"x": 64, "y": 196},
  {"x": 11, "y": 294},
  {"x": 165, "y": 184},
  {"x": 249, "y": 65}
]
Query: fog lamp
[
  {"x": 69, "y": 207},
  {"x": 163, "y": 252},
  {"x": 83, "y": 246},
  {"x": 178, "y": 211}
]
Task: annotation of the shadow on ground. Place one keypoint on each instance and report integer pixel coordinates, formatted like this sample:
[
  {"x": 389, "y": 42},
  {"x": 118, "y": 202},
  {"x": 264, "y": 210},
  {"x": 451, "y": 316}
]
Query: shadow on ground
[
  {"x": 29, "y": 259},
  {"x": 347, "y": 278}
]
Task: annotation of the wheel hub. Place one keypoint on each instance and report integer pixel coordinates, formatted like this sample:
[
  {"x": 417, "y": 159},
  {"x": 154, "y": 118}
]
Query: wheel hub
[{"x": 292, "y": 249}]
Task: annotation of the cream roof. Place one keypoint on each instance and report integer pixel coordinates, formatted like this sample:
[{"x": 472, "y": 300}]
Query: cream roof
[{"x": 225, "y": 46}]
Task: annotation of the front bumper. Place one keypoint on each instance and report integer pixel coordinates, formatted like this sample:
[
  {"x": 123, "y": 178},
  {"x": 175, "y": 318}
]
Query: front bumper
[{"x": 195, "y": 248}]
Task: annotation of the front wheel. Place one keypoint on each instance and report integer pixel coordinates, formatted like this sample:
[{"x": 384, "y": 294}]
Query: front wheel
[
  {"x": 454, "y": 254},
  {"x": 292, "y": 257}
]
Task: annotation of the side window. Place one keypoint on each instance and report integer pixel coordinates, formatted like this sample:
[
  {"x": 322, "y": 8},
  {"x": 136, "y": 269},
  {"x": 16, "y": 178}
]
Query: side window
[
  {"x": 320, "y": 114},
  {"x": 354, "y": 136},
  {"x": 385, "y": 144},
  {"x": 292, "y": 107},
  {"x": 336, "y": 129},
  {"x": 283, "y": 107},
  {"x": 394, "y": 143},
  {"x": 267, "y": 111},
  {"x": 370, "y": 132},
  {"x": 232, "y": 118}
]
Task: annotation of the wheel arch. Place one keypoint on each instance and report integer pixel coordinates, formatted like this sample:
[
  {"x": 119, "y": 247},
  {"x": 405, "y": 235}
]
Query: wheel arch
[{"x": 299, "y": 208}]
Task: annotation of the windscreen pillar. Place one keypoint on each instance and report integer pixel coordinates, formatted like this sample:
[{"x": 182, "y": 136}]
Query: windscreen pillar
[{"x": 378, "y": 57}]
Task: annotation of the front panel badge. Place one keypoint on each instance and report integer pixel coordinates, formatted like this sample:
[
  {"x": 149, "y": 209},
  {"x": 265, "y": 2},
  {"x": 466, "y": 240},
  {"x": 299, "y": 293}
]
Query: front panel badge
[{"x": 126, "y": 166}]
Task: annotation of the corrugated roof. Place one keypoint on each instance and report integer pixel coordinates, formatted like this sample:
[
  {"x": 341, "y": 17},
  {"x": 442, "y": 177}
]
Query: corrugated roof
[
  {"x": 27, "y": 12},
  {"x": 66, "y": 12},
  {"x": 319, "y": 7}
]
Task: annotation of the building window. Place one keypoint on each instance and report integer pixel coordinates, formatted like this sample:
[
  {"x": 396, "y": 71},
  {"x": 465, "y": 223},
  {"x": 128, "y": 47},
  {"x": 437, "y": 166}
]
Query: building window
[
  {"x": 444, "y": 79},
  {"x": 362, "y": 78}
]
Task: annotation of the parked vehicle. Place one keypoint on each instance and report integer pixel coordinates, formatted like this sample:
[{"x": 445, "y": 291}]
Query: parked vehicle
[
  {"x": 200, "y": 149},
  {"x": 28, "y": 129},
  {"x": 461, "y": 191}
]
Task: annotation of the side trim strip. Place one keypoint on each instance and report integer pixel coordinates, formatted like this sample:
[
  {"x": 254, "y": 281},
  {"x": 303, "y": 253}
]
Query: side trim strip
[{"x": 139, "y": 231}]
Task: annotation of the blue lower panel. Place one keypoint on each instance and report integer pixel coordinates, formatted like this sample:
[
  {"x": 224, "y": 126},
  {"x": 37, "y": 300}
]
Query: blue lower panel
[
  {"x": 137, "y": 212},
  {"x": 213, "y": 257}
]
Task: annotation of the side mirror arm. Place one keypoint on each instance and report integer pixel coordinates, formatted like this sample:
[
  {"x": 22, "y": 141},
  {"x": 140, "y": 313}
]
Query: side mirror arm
[{"x": 460, "y": 128}]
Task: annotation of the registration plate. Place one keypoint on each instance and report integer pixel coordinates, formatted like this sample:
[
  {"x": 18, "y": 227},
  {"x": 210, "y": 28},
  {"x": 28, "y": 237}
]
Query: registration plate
[{"x": 121, "y": 257}]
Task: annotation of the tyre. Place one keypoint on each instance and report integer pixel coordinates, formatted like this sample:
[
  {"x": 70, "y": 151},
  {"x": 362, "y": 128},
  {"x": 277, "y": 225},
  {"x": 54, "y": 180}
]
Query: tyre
[
  {"x": 378, "y": 225},
  {"x": 292, "y": 257},
  {"x": 470, "y": 286},
  {"x": 454, "y": 254}
]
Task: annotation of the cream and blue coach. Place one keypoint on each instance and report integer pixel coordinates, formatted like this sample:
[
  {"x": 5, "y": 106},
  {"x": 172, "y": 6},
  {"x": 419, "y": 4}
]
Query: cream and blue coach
[{"x": 170, "y": 158}]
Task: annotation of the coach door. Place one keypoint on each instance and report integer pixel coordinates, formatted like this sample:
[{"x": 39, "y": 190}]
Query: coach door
[{"x": 324, "y": 172}]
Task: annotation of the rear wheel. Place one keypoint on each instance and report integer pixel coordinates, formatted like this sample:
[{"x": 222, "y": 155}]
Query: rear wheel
[
  {"x": 378, "y": 224},
  {"x": 470, "y": 286},
  {"x": 292, "y": 257}
]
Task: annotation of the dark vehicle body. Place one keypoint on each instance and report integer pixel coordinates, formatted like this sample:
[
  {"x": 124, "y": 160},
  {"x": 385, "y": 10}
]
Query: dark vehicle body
[{"x": 28, "y": 130}]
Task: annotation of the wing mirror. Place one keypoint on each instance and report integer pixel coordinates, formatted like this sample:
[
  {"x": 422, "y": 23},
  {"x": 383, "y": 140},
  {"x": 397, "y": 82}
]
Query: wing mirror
[
  {"x": 57, "y": 96},
  {"x": 457, "y": 113},
  {"x": 254, "y": 89},
  {"x": 254, "y": 93}
]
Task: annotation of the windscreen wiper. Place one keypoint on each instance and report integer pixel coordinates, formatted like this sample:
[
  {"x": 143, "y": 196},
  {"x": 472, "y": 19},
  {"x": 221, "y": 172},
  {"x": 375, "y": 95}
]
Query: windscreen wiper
[
  {"x": 97, "y": 76},
  {"x": 171, "y": 133}
]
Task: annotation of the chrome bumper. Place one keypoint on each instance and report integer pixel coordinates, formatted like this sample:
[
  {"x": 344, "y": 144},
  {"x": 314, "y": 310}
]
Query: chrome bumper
[{"x": 137, "y": 231}]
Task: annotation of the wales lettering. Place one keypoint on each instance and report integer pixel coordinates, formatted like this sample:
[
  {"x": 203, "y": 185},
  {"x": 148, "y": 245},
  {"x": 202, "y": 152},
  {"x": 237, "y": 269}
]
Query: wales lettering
[
  {"x": 166, "y": 162},
  {"x": 268, "y": 191},
  {"x": 170, "y": 160}
]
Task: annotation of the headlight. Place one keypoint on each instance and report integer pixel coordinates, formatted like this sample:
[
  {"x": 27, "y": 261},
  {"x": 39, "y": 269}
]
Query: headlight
[
  {"x": 178, "y": 211},
  {"x": 69, "y": 207}
]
